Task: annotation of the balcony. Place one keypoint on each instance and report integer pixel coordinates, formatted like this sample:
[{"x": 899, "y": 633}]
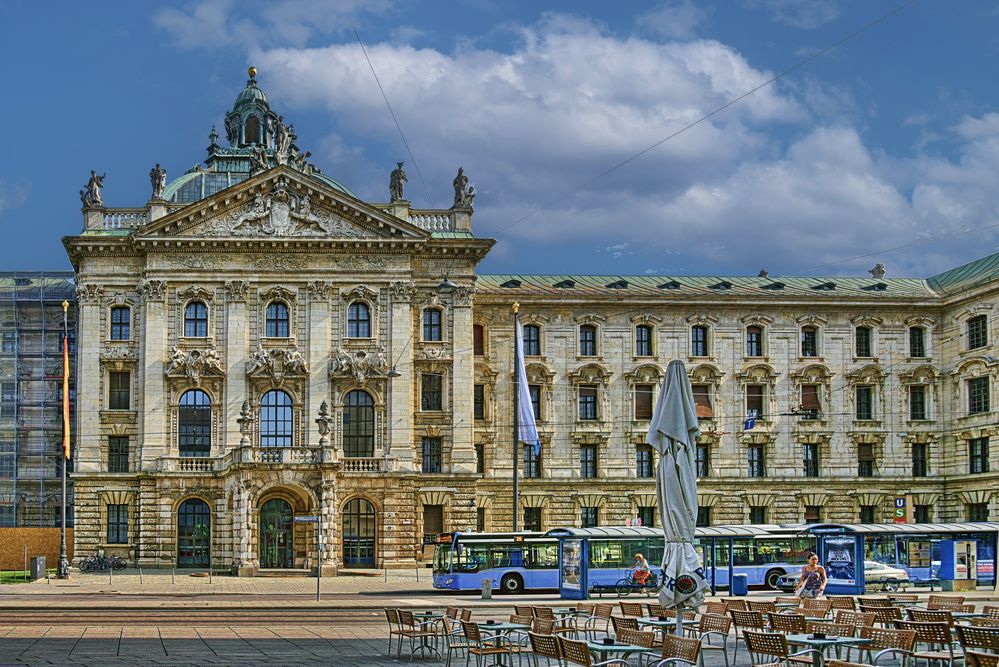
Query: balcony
[{"x": 364, "y": 464}]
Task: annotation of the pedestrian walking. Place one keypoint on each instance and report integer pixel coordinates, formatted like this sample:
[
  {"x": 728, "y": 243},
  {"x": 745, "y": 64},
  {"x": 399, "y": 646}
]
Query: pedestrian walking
[{"x": 812, "y": 582}]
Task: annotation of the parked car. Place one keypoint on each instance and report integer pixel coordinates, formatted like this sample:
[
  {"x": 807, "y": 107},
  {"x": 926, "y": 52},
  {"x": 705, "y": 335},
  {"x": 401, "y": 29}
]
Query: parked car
[{"x": 875, "y": 574}]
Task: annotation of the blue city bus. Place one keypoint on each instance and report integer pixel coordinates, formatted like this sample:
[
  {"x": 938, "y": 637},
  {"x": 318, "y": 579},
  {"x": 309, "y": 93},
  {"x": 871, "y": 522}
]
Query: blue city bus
[{"x": 514, "y": 562}]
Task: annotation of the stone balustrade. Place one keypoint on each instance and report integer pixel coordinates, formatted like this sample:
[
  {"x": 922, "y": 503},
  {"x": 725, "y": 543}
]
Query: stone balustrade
[
  {"x": 125, "y": 218},
  {"x": 432, "y": 221},
  {"x": 363, "y": 464}
]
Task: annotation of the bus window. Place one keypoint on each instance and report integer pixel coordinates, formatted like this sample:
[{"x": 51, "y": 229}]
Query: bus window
[
  {"x": 442, "y": 559},
  {"x": 743, "y": 551},
  {"x": 880, "y": 548},
  {"x": 901, "y": 551},
  {"x": 471, "y": 558},
  {"x": 607, "y": 553},
  {"x": 540, "y": 556}
]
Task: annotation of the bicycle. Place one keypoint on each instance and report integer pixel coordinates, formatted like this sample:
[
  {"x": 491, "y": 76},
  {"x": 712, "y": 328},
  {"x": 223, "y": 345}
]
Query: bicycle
[
  {"x": 96, "y": 563},
  {"x": 629, "y": 584}
]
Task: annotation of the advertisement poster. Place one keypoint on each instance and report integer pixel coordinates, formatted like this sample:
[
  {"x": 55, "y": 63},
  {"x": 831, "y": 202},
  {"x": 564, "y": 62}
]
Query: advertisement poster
[
  {"x": 571, "y": 558},
  {"x": 841, "y": 568}
]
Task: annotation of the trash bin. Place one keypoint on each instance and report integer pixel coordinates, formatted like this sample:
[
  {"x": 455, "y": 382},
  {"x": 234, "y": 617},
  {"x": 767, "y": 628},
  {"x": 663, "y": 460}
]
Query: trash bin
[
  {"x": 487, "y": 589},
  {"x": 740, "y": 584},
  {"x": 37, "y": 568}
]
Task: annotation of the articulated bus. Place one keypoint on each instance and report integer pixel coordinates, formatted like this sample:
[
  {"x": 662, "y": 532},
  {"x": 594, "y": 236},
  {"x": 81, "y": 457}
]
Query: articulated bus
[{"x": 513, "y": 561}]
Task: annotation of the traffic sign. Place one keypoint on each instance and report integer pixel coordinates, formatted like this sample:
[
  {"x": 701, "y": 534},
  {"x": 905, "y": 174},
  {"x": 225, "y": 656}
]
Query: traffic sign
[{"x": 307, "y": 519}]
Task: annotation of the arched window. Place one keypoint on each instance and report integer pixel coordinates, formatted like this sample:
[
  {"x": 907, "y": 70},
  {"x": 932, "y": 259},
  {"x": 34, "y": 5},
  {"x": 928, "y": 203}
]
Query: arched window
[
  {"x": 275, "y": 419},
  {"x": 195, "y": 427},
  {"x": 276, "y": 320},
  {"x": 358, "y": 424},
  {"x": 121, "y": 317},
  {"x": 251, "y": 131},
  {"x": 194, "y": 533},
  {"x": 358, "y": 320},
  {"x": 432, "y": 324},
  {"x": 196, "y": 320}
]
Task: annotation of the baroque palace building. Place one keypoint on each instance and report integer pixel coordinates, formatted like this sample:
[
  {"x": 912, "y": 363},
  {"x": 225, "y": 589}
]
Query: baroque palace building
[{"x": 256, "y": 344}]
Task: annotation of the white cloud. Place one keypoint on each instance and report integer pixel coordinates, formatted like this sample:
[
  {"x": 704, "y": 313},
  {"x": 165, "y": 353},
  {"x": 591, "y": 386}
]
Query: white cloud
[
  {"x": 805, "y": 14},
  {"x": 12, "y": 196},
  {"x": 675, "y": 19}
]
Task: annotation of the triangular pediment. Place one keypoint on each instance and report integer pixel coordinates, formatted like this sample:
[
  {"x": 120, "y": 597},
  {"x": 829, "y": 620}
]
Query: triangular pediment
[{"x": 281, "y": 203}]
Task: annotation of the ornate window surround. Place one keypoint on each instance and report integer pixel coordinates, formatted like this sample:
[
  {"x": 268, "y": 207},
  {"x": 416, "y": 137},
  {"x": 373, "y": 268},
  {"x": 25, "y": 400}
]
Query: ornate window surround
[
  {"x": 763, "y": 322},
  {"x": 872, "y": 323},
  {"x": 368, "y": 297},
  {"x": 289, "y": 298}
]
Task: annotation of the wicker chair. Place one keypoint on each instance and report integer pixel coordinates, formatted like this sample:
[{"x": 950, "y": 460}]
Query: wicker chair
[
  {"x": 743, "y": 622},
  {"x": 578, "y": 653},
  {"x": 886, "y": 616},
  {"x": 985, "y": 622},
  {"x": 930, "y": 616},
  {"x": 632, "y": 609},
  {"x": 991, "y": 611},
  {"x": 523, "y": 610},
  {"x": 395, "y": 630},
  {"x": 936, "y": 637},
  {"x": 599, "y": 620},
  {"x": 624, "y": 624},
  {"x": 415, "y": 631},
  {"x": 718, "y": 608},
  {"x": 874, "y": 602},
  {"x": 831, "y": 629},
  {"x": 451, "y": 612},
  {"x": 883, "y": 641},
  {"x": 483, "y": 646},
  {"x": 855, "y": 618},
  {"x": 737, "y": 604},
  {"x": 762, "y": 606},
  {"x": 978, "y": 659},
  {"x": 465, "y": 614},
  {"x": 817, "y": 609},
  {"x": 521, "y": 619},
  {"x": 636, "y": 638},
  {"x": 952, "y": 602},
  {"x": 454, "y": 639},
  {"x": 773, "y": 645},
  {"x": 659, "y": 610},
  {"x": 787, "y": 623},
  {"x": 972, "y": 638},
  {"x": 794, "y": 601},
  {"x": 543, "y": 626},
  {"x": 712, "y": 625},
  {"x": 678, "y": 651},
  {"x": 545, "y": 646},
  {"x": 903, "y": 597},
  {"x": 843, "y": 602}
]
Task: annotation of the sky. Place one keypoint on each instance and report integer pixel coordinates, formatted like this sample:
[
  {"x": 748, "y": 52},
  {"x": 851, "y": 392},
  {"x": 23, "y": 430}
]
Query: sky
[{"x": 884, "y": 149}]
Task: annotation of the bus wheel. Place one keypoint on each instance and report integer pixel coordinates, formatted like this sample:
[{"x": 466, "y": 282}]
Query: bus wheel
[
  {"x": 773, "y": 576},
  {"x": 512, "y": 584}
]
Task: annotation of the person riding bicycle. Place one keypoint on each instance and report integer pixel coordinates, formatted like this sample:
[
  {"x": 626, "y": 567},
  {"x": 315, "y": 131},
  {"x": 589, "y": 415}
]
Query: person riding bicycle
[{"x": 642, "y": 569}]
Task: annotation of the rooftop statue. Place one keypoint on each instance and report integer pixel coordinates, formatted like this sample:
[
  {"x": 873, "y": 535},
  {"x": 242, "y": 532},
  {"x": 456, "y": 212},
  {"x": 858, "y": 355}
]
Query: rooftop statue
[
  {"x": 397, "y": 182},
  {"x": 878, "y": 271},
  {"x": 157, "y": 177},
  {"x": 282, "y": 141},
  {"x": 92, "y": 195},
  {"x": 463, "y": 192}
]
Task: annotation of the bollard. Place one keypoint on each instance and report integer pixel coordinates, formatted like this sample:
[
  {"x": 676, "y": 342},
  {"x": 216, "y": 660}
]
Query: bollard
[
  {"x": 25, "y": 562},
  {"x": 172, "y": 572},
  {"x": 417, "y": 573},
  {"x": 487, "y": 589},
  {"x": 110, "y": 574},
  {"x": 209, "y": 574},
  {"x": 140, "y": 576},
  {"x": 385, "y": 570}
]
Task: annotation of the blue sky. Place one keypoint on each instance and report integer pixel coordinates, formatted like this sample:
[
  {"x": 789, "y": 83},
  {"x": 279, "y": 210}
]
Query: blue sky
[{"x": 893, "y": 138}]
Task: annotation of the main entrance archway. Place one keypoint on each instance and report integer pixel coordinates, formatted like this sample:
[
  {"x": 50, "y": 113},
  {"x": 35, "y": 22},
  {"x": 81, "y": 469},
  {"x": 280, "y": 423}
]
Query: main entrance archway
[
  {"x": 276, "y": 525},
  {"x": 359, "y": 534},
  {"x": 194, "y": 533}
]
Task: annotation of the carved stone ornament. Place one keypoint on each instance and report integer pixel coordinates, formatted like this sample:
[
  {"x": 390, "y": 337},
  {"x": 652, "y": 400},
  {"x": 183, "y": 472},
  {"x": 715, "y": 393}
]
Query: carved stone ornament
[
  {"x": 360, "y": 292},
  {"x": 402, "y": 290},
  {"x": 277, "y": 364},
  {"x": 280, "y": 262},
  {"x": 196, "y": 292},
  {"x": 197, "y": 262},
  {"x": 279, "y": 292},
  {"x": 235, "y": 290},
  {"x": 463, "y": 296},
  {"x": 195, "y": 364},
  {"x": 118, "y": 352},
  {"x": 319, "y": 290},
  {"x": 358, "y": 364},
  {"x": 360, "y": 263},
  {"x": 152, "y": 290},
  {"x": 590, "y": 374},
  {"x": 435, "y": 353},
  {"x": 89, "y": 293},
  {"x": 282, "y": 212}
]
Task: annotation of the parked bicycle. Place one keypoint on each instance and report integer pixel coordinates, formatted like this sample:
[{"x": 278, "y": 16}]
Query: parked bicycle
[
  {"x": 630, "y": 585},
  {"x": 96, "y": 563}
]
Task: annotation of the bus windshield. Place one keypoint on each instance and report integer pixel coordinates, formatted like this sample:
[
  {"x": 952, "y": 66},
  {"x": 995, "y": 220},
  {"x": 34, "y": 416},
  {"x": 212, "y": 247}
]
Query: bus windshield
[{"x": 442, "y": 558}]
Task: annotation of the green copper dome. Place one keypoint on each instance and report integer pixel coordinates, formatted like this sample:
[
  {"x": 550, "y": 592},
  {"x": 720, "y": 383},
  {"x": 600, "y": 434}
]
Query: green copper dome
[{"x": 250, "y": 95}]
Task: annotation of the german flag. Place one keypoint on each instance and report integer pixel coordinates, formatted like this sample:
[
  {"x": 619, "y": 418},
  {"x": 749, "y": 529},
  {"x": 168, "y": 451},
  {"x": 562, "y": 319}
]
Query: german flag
[{"x": 65, "y": 394}]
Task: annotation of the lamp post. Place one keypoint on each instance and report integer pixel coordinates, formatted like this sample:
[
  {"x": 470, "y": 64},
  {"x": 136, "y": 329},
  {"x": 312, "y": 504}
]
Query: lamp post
[{"x": 63, "y": 570}]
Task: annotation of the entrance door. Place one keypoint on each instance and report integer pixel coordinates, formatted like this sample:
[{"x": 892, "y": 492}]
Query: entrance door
[
  {"x": 194, "y": 531},
  {"x": 276, "y": 534},
  {"x": 359, "y": 534}
]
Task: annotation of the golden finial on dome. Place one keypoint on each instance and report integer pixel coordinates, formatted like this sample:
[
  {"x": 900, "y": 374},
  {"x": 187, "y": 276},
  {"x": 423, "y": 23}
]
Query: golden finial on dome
[{"x": 252, "y": 72}]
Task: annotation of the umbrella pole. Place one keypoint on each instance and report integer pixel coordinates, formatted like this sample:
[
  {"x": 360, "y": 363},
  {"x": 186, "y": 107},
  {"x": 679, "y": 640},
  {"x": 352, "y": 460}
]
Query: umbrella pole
[{"x": 679, "y": 620}]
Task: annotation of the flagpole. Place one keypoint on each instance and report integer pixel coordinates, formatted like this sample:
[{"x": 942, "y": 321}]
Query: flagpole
[
  {"x": 516, "y": 416},
  {"x": 63, "y": 570}
]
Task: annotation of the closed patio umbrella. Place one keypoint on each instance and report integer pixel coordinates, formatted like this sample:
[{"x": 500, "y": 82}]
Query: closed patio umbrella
[{"x": 673, "y": 433}]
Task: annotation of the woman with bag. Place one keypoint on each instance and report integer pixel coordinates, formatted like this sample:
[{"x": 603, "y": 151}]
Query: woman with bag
[{"x": 812, "y": 582}]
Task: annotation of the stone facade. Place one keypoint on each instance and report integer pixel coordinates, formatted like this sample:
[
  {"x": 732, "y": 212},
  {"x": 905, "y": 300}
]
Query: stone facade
[{"x": 291, "y": 353}]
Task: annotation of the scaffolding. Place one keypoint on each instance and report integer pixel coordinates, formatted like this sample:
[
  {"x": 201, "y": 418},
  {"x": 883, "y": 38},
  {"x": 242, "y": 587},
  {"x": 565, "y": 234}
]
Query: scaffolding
[{"x": 31, "y": 328}]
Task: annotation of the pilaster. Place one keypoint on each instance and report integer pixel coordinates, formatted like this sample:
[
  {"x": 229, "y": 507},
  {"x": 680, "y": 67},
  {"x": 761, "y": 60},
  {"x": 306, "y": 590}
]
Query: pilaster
[
  {"x": 152, "y": 419},
  {"x": 89, "y": 379},
  {"x": 399, "y": 440},
  {"x": 319, "y": 354},
  {"x": 237, "y": 345},
  {"x": 463, "y": 381}
]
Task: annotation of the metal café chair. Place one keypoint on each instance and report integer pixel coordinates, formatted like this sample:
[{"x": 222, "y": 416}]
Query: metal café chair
[
  {"x": 762, "y": 606},
  {"x": 885, "y": 641},
  {"x": 843, "y": 602},
  {"x": 743, "y": 622},
  {"x": 483, "y": 645},
  {"x": 857, "y": 618},
  {"x": 787, "y": 623},
  {"x": 677, "y": 651},
  {"x": 974, "y": 638},
  {"x": 712, "y": 625},
  {"x": 545, "y": 646},
  {"x": 979, "y": 659},
  {"x": 578, "y": 653},
  {"x": 937, "y": 638},
  {"x": 770, "y": 645}
]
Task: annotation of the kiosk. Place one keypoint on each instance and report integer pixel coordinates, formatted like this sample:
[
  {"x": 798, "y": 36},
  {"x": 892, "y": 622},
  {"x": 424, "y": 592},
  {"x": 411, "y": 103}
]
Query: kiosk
[{"x": 958, "y": 565}]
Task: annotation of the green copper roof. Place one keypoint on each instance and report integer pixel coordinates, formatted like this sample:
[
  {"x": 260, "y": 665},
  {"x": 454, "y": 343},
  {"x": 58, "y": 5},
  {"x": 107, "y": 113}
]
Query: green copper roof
[
  {"x": 968, "y": 275},
  {"x": 702, "y": 286}
]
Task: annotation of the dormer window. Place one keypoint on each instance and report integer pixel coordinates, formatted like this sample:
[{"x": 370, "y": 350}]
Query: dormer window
[
  {"x": 671, "y": 284},
  {"x": 825, "y": 287},
  {"x": 510, "y": 284},
  {"x": 565, "y": 284},
  {"x": 277, "y": 320},
  {"x": 618, "y": 284},
  {"x": 251, "y": 131}
]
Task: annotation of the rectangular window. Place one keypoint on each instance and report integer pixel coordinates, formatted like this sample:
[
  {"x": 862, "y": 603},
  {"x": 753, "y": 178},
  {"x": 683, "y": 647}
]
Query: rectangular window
[
  {"x": 703, "y": 461},
  {"x": 643, "y": 462},
  {"x": 480, "y": 519},
  {"x": 9, "y": 342},
  {"x": 647, "y": 516},
  {"x": 978, "y": 395},
  {"x": 588, "y": 461},
  {"x": 643, "y": 401},
  {"x": 865, "y": 402},
  {"x": 643, "y": 341},
  {"x": 432, "y": 324},
  {"x": 809, "y": 342},
  {"x": 921, "y": 514},
  {"x": 754, "y": 341},
  {"x": 978, "y": 332},
  {"x": 867, "y": 514},
  {"x": 479, "y": 401},
  {"x": 532, "y": 519},
  {"x": 978, "y": 511},
  {"x": 117, "y": 524},
  {"x": 480, "y": 458},
  {"x": 118, "y": 454},
  {"x": 702, "y": 400},
  {"x": 810, "y": 460},
  {"x": 8, "y": 392},
  {"x": 810, "y": 406},
  {"x": 119, "y": 390},
  {"x": 757, "y": 461},
  {"x": 8, "y": 460},
  {"x": 978, "y": 455},
  {"x": 532, "y": 340},
  {"x": 920, "y": 466},
  {"x": 862, "y": 337},
  {"x": 813, "y": 514},
  {"x": 120, "y": 317},
  {"x": 478, "y": 340},
  {"x": 754, "y": 400},
  {"x": 917, "y": 342},
  {"x": 703, "y": 517},
  {"x": 588, "y": 402},
  {"x": 757, "y": 514},
  {"x": 589, "y": 517},
  {"x": 431, "y": 454},
  {"x": 917, "y": 401},
  {"x": 699, "y": 341},
  {"x": 532, "y": 462},
  {"x": 535, "y": 390},
  {"x": 433, "y": 522},
  {"x": 865, "y": 460},
  {"x": 431, "y": 392},
  {"x": 587, "y": 341}
]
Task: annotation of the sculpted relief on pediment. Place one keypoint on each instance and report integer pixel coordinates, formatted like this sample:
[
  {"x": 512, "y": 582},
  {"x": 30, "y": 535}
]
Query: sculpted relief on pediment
[{"x": 282, "y": 213}]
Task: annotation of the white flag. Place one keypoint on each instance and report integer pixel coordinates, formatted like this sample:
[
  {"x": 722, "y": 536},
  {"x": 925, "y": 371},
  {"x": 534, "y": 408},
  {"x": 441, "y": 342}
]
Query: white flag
[{"x": 525, "y": 408}]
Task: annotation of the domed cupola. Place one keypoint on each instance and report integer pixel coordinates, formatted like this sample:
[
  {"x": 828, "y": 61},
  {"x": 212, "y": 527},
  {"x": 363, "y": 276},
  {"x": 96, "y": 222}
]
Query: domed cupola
[{"x": 251, "y": 121}]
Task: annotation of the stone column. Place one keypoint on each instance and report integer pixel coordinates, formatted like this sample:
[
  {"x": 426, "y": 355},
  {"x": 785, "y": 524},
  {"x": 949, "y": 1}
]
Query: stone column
[
  {"x": 152, "y": 419},
  {"x": 245, "y": 562},
  {"x": 89, "y": 401},
  {"x": 462, "y": 383},
  {"x": 399, "y": 437},
  {"x": 237, "y": 344},
  {"x": 319, "y": 354},
  {"x": 328, "y": 519}
]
